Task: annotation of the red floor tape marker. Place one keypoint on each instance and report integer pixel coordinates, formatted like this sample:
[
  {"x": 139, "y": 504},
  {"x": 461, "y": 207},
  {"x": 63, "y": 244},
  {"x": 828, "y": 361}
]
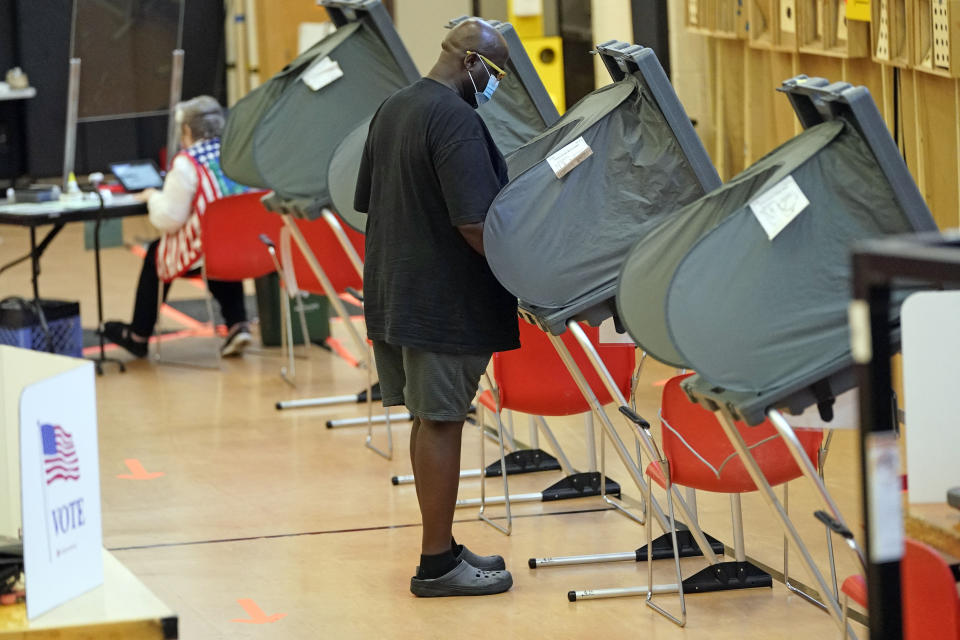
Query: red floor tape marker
[
  {"x": 257, "y": 616},
  {"x": 137, "y": 472}
]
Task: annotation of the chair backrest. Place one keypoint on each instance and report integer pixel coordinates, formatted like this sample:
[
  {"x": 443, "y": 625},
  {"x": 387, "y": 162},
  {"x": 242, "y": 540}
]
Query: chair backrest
[
  {"x": 231, "y": 228},
  {"x": 931, "y": 606},
  {"x": 329, "y": 253},
  {"x": 701, "y": 456},
  {"x": 533, "y": 379}
]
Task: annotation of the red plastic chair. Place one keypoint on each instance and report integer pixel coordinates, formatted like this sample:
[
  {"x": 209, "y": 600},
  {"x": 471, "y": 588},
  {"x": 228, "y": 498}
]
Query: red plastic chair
[
  {"x": 231, "y": 229},
  {"x": 931, "y": 606},
  {"x": 534, "y": 380},
  {"x": 331, "y": 256},
  {"x": 699, "y": 455}
]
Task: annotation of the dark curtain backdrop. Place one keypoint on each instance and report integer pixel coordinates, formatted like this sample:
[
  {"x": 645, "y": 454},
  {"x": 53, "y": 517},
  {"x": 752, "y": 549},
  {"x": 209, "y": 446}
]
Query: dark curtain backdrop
[{"x": 43, "y": 43}]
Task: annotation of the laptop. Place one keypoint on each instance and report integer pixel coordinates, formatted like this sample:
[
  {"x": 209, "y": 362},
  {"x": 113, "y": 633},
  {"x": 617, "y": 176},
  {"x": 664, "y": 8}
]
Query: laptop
[{"x": 137, "y": 175}]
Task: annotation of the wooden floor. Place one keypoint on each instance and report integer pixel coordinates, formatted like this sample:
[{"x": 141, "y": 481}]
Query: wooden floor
[{"x": 265, "y": 524}]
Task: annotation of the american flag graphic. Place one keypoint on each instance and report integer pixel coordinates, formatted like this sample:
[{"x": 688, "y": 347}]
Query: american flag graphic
[{"x": 59, "y": 454}]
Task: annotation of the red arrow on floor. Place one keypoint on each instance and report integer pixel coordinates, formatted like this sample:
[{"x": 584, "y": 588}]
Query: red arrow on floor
[
  {"x": 257, "y": 616},
  {"x": 137, "y": 472}
]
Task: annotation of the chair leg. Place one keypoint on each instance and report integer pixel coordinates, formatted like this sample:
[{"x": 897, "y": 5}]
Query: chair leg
[
  {"x": 508, "y": 529},
  {"x": 208, "y": 297},
  {"x": 158, "y": 331},
  {"x": 682, "y": 620}
]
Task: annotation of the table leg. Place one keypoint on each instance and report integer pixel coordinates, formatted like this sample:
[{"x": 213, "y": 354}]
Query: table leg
[{"x": 98, "y": 362}]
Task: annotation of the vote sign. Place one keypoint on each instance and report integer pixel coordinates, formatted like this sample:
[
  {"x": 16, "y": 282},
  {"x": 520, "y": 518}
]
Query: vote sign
[{"x": 60, "y": 487}]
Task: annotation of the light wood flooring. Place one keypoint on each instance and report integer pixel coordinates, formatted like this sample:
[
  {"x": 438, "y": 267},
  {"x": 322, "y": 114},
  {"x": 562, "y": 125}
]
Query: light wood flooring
[{"x": 265, "y": 510}]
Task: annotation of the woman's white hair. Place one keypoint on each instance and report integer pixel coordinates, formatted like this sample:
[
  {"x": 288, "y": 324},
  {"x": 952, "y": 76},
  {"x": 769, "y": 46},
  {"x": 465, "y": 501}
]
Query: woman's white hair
[{"x": 203, "y": 115}]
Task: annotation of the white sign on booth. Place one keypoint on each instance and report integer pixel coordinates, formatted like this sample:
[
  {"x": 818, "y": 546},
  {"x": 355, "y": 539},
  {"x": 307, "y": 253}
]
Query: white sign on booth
[{"x": 60, "y": 489}]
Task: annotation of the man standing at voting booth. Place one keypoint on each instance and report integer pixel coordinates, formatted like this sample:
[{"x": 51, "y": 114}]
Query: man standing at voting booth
[{"x": 433, "y": 309}]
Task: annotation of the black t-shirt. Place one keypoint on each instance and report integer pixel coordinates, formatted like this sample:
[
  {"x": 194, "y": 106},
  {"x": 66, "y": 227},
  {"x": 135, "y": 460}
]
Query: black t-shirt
[{"x": 429, "y": 164}]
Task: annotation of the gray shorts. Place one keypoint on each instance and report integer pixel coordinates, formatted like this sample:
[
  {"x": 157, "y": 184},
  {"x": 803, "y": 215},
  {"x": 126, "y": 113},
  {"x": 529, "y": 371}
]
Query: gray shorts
[{"x": 434, "y": 386}]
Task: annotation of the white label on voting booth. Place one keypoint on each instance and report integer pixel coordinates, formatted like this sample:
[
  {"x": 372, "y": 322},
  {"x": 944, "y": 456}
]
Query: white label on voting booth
[
  {"x": 886, "y": 507},
  {"x": 322, "y": 73},
  {"x": 60, "y": 488},
  {"x": 776, "y": 207},
  {"x": 566, "y": 159}
]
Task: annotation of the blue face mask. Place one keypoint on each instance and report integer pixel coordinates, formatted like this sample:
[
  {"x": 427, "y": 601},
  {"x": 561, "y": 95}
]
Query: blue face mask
[{"x": 492, "y": 85}]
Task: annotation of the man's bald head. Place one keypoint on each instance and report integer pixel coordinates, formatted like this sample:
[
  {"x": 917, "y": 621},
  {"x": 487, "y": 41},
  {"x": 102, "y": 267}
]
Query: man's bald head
[
  {"x": 466, "y": 73},
  {"x": 476, "y": 35}
]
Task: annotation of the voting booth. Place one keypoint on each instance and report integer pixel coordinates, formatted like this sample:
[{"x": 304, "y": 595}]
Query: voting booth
[{"x": 50, "y": 500}]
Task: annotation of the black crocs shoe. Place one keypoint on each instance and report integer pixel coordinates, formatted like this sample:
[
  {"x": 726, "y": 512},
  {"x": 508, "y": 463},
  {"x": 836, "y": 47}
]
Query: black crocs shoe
[
  {"x": 487, "y": 563},
  {"x": 120, "y": 334},
  {"x": 462, "y": 580}
]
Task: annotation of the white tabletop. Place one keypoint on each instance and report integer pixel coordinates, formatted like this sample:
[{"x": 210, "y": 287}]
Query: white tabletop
[{"x": 87, "y": 202}]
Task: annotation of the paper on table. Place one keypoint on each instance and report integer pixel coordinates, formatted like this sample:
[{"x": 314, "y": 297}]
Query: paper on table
[
  {"x": 776, "y": 207},
  {"x": 566, "y": 159}
]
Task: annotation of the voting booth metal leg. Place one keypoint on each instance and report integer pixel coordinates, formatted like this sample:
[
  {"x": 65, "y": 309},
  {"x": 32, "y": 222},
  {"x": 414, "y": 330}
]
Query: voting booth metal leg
[
  {"x": 766, "y": 491},
  {"x": 815, "y": 477},
  {"x": 341, "y": 237},
  {"x": 718, "y": 576},
  {"x": 288, "y": 372},
  {"x": 325, "y": 283},
  {"x": 702, "y": 543},
  {"x": 363, "y": 347},
  {"x": 537, "y": 423},
  {"x": 388, "y": 454}
]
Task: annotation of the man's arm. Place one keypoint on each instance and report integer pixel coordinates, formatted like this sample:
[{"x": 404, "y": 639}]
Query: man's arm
[{"x": 473, "y": 234}]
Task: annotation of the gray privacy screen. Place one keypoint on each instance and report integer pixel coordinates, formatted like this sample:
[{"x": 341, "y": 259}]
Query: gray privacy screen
[
  {"x": 342, "y": 177},
  {"x": 552, "y": 242},
  {"x": 746, "y": 312},
  {"x": 510, "y": 116},
  {"x": 295, "y": 140},
  {"x": 236, "y": 152}
]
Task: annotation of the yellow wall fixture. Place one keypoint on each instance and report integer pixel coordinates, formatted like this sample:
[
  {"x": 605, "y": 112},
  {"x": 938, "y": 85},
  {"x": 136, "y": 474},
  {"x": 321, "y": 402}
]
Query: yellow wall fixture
[
  {"x": 546, "y": 54},
  {"x": 526, "y": 16}
]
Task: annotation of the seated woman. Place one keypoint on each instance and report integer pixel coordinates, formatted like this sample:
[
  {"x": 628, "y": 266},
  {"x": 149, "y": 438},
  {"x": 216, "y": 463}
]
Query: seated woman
[{"x": 195, "y": 181}]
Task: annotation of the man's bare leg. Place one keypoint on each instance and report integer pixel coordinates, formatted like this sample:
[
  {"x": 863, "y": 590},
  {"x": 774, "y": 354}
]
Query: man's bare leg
[
  {"x": 413, "y": 452},
  {"x": 436, "y": 468}
]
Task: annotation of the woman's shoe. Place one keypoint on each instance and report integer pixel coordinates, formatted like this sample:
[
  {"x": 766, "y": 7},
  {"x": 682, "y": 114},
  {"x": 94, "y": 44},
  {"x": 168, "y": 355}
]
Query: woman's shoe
[{"x": 119, "y": 333}]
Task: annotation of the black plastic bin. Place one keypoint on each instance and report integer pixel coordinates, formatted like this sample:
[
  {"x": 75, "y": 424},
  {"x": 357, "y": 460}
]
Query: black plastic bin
[{"x": 20, "y": 326}]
